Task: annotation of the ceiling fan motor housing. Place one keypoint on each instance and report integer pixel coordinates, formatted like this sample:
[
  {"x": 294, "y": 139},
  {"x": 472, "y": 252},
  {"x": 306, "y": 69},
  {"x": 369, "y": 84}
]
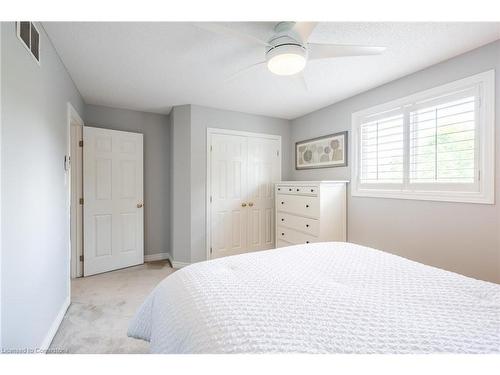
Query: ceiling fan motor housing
[
  {"x": 281, "y": 49},
  {"x": 286, "y": 57}
]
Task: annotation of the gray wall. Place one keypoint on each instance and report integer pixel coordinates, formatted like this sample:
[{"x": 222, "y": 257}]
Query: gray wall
[
  {"x": 155, "y": 128},
  {"x": 180, "y": 118},
  {"x": 35, "y": 209},
  {"x": 464, "y": 238},
  {"x": 189, "y": 125}
]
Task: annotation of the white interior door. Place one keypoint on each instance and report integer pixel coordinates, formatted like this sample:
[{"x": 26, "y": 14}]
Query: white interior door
[
  {"x": 113, "y": 200},
  {"x": 243, "y": 170}
]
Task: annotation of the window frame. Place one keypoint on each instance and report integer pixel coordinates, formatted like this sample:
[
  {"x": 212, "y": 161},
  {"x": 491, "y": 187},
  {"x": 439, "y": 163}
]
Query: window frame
[{"x": 484, "y": 183}]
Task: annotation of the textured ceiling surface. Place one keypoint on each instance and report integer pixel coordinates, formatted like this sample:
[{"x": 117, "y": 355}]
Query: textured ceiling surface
[{"x": 154, "y": 66}]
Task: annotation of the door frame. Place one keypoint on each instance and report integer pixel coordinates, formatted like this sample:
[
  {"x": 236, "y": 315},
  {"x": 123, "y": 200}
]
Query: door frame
[
  {"x": 208, "y": 208},
  {"x": 74, "y": 267}
]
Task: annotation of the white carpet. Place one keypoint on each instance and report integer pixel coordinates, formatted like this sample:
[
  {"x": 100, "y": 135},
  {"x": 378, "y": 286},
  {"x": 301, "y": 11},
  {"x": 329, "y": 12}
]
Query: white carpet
[{"x": 101, "y": 308}]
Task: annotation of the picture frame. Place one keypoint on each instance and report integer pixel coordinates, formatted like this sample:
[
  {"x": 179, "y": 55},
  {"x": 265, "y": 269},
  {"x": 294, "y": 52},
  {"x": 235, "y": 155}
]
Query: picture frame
[{"x": 327, "y": 151}]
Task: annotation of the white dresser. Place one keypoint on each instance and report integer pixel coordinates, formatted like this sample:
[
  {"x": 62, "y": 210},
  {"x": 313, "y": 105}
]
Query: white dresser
[{"x": 310, "y": 211}]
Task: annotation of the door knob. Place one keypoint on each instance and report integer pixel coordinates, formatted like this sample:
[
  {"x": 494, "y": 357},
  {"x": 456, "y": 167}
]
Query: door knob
[
  {"x": 250, "y": 204},
  {"x": 243, "y": 205},
  {"x": 139, "y": 205}
]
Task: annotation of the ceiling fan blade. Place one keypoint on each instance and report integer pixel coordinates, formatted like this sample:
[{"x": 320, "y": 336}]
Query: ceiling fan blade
[
  {"x": 326, "y": 51},
  {"x": 304, "y": 29},
  {"x": 243, "y": 70},
  {"x": 227, "y": 31}
]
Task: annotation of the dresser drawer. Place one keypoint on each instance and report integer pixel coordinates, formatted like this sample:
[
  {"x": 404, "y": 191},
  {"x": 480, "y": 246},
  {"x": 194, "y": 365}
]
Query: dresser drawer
[
  {"x": 298, "y": 205},
  {"x": 293, "y": 236},
  {"x": 303, "y": 224},
  {"x": 297, "y": 190}
]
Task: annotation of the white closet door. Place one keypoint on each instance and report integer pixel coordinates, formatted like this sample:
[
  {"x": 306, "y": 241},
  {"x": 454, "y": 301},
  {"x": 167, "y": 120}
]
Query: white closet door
[
  {"x": 228, "y": 189},
  {"x": 264, "y": 170},
  {"x": 243, "y": 170},
  {"x": 113, "y": 200}
]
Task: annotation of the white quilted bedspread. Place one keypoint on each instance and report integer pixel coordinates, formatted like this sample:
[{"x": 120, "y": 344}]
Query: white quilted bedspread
[{"x": 319, "y": 298}]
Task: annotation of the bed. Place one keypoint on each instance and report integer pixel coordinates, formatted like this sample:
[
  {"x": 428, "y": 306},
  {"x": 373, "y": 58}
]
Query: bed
[{"x": 330, "y": 297}]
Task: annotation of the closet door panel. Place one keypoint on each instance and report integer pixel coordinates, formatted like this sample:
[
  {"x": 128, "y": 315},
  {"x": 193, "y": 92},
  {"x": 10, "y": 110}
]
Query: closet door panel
[
  {"x": 229, "y": 174},
  {"x": 263, "y": 173}
]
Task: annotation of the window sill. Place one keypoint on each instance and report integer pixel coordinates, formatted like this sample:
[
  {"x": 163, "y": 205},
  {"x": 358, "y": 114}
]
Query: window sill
[{"x": 458, "y": 197}]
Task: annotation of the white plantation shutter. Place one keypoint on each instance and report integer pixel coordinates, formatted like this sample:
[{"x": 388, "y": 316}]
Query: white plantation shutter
[
  {"x": 438, "y": 144},
  {"x": 443, "y": 140},
  {"x": 382, "y": 150}
]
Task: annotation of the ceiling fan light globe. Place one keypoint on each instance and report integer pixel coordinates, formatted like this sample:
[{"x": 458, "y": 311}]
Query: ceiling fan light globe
[{"x": 286, "y": 60}]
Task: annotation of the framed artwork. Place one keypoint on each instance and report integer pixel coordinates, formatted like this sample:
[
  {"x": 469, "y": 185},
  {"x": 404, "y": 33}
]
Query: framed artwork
[{"x": 322, "y": 152}]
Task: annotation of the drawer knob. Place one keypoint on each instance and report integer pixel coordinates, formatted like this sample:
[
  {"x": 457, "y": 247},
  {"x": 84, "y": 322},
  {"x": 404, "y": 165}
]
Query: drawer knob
[
  {"x": 307, "y": 206},
  {"x": 289, "y": 189},
  {"x": 307, "y": 225},
  {"x": 307, "y": 241},
  {"x": 282, "y": 219},
  {"x": 298, "y": 189},
  {"x": 282, "y": 234},
  {"x": 279, "y": 189},
  {"x": 312, "y": 190},
  {"x": 282, "y": 202}
]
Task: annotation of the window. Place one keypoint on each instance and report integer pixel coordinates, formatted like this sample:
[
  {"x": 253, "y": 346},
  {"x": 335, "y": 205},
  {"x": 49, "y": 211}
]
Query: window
[
  {"x": 382, "y": 150},
  {"x": 434, "y": 145}
]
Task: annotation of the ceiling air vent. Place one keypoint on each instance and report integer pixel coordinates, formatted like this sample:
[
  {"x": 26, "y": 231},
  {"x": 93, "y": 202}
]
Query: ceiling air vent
[{"x": 30, "y": 37}]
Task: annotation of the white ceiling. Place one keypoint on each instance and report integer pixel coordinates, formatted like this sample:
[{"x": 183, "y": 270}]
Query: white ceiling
[{"x": 154, "y": 66}]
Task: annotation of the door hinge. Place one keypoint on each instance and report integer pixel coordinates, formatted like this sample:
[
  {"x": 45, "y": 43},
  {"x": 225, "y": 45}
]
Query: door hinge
[
  {"x": 80, "y": 143},
  {"x": 479, "y": 175},
  {"x": 277, "y": 152},
  {"x": 210, "y": 199},
  {"x": 211, "y": 148},
  {"x": 81, "y": 258},
  {"x": 210, "y": 249},
  {"x": 81, "y": 201}
]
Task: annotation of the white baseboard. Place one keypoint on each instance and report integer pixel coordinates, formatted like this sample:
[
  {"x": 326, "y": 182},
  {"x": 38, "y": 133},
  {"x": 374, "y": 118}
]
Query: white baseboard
[
  {"x": 162, "y": 256},
  {"x": 178, "y": 264},
  {"x": 55, "y": 326},
  {"x": 155, "y": 257}
]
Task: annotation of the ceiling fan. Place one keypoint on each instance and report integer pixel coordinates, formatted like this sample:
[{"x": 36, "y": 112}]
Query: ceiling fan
[{"x": 287, "y": 50}]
